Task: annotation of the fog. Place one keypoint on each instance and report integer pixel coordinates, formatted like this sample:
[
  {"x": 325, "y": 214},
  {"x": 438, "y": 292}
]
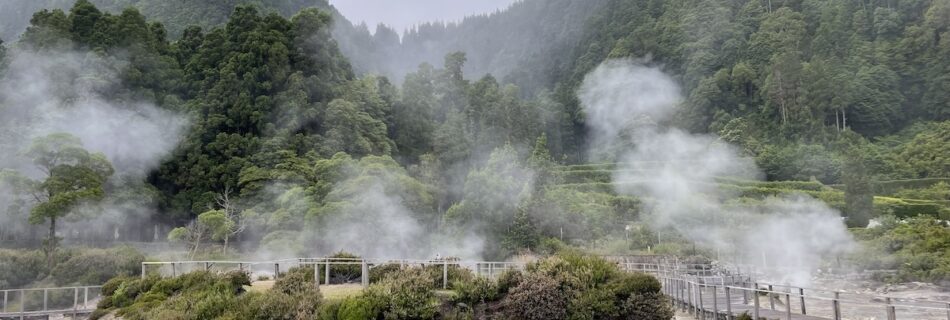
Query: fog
[
  {"x": 80, "y": 93},
  {"x": 676, "y": 172},
  {"x": 401, "y": 15}
]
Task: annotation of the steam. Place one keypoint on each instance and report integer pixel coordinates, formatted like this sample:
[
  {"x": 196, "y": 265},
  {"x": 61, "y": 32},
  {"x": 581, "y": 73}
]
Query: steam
[
  {"x": 81, "y": 93},
  {"x": 627, "y": 105}
]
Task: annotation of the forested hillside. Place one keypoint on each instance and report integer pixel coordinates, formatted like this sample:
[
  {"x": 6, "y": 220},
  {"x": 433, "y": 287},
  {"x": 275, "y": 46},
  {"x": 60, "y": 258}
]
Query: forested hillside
[{"x": 289, "y": 137}]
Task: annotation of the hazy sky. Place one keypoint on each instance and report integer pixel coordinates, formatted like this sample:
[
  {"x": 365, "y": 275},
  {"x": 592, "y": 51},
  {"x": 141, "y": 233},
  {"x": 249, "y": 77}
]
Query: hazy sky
[{"x": 401, "y": 14}]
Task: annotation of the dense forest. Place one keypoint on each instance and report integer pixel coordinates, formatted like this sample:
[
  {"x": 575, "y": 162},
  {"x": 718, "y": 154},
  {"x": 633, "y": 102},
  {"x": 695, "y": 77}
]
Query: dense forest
[{"x": 286, "y": 127}]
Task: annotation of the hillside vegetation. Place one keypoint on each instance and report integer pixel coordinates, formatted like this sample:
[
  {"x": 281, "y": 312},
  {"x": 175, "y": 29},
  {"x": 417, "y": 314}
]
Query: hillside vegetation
[{"x": 293, "y": 143}]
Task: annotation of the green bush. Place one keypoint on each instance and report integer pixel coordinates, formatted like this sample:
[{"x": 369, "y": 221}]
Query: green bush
[
  {"x": 537, "y": 297},
  {"x": 593, "y": 304},
  {"x": 21, "y": 267},
  {"x": 360, "y": 307},
  {"x": 630, "y": 284},
  {"x": 296, "y": 280},
  {"x": 479, "y": 290},
  {"x": 646, "y": 306},
  {"x": 269, "y": 306},
  {"x": 508, "y": 280},
  {"x": 95, "y": 266},
  {"x": 379, "y": 272},
  {"x": 329, "y": 310},
  {"x": 344, "y": 273},
  {"x": 455, "y": 273},
  {"x": 407, "y": 294}
]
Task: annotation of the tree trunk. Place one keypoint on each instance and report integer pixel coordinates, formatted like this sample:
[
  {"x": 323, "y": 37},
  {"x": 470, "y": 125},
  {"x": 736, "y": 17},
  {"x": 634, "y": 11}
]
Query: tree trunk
[
  {"x": 51, "y": 243},
  {"x": 844, "y": 119}
]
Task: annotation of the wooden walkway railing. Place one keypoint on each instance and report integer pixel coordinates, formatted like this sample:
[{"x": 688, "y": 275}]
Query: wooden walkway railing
[
  {"x": 44, "y": 302},
  {"x": 708, "y": 293}
]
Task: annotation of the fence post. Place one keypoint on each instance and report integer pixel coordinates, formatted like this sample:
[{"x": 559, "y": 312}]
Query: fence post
[
  {"x": 364, "y": 273},
  {"x": 801, "y": 298},
  {"x": 85, "y": 298},
  {"x": 689, "y": 295},
  {"x": 143, "y": 271},
  {"x": 174, "y": 269},
  {"x": 207, "y": 266},
  {"x": 22, "y": 303},
  {"x": 891, "y": 312},
  {"x": 326, "y": 272},
  {"x": 276, "y": 271},
  {"x": 45, "y": 299},
  {"x": 75, "y": 300},
  {"x": 715, "y": 300},
  {"x": 728, "y": 305},
  {"x": 771, "y": 299},
  {"x": 445, "y": 274},
  {"x": 755, "y": 301},
  {"x": 702, "y": 310},
  {"x": 745, "y": 293},
  {"x": 5, "y": 298},
  {"x": 316, "y": 273},
  {"x": 835, "y": 307},
  {"x": 788, "y": 306}
]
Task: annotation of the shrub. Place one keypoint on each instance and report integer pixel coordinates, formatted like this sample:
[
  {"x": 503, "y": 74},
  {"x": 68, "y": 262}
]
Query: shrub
[
  {"x": 20, "y": 268},
  {"x": 344, "y": 273},
  {"x": 646, "y": 306},
  {"x": 273, "y": 305},
  {"x": 479, "y": 290},
  {"x": 593, "y": 304},
  {"x": 509, "y": 279},
  {"x": 536, "y": 297},
  {"x": 455, "y": 273},
  {"x": 379, "y": 272},
  {"x": 361, "y": 307},
  {"x": 94, "y": 266},
  {"x": 296, "y": 280},
  {"x": 407, "y": 295},
  {"x": 630, "y": 284}
]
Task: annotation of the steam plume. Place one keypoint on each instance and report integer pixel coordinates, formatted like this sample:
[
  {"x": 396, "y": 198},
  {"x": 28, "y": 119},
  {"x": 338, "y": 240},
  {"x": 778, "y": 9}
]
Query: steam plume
[{"x": 627, "y": 105}]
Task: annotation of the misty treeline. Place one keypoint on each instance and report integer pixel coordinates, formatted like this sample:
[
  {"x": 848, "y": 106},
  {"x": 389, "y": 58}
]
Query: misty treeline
[
  {"x": 279, "y": 139},
  {"x": 285, "y": 144}
]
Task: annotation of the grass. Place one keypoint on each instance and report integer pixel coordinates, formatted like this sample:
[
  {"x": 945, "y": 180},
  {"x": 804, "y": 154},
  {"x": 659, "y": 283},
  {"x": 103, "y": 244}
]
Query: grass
[
  {"x": 260, "y": 286},
  {"x": 333, "y": 292},
  {"x": 337, "y": 292}
]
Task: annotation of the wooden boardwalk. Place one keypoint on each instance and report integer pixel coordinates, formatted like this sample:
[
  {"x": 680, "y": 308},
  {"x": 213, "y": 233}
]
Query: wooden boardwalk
[{"x": 710, "y": 294}]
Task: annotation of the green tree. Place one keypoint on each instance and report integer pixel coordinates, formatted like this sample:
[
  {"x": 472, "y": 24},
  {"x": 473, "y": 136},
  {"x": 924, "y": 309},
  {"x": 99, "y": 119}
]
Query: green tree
[
  {"x": 71, "y": 176},
  {"x": 858, "y": 195}
]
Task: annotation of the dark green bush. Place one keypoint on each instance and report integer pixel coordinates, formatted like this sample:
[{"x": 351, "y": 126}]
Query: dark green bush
[
  {"x": 18, "y": 268},
  {"x": 646, "y": 306},
  {"x": 593, "y": 304},
  {"x": 508, "y": 280},
  {"x": 629, "y": 284},
  {"x": 407, "y": 294},
  {"x": 296, "y": 280},
  {"x": 479, "y": 290},
  {"x": 455, "y": 273},
  {"x": 344, "y": 273},
  {"x": 329, "y": 310},
  {"x": 361, "y": 307},
  {"x": 537, "y": 297},
  {"x": 269, "y": 306},
  {"x": 95, "y": 266},
  {"x": 379, "y": 272}
]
